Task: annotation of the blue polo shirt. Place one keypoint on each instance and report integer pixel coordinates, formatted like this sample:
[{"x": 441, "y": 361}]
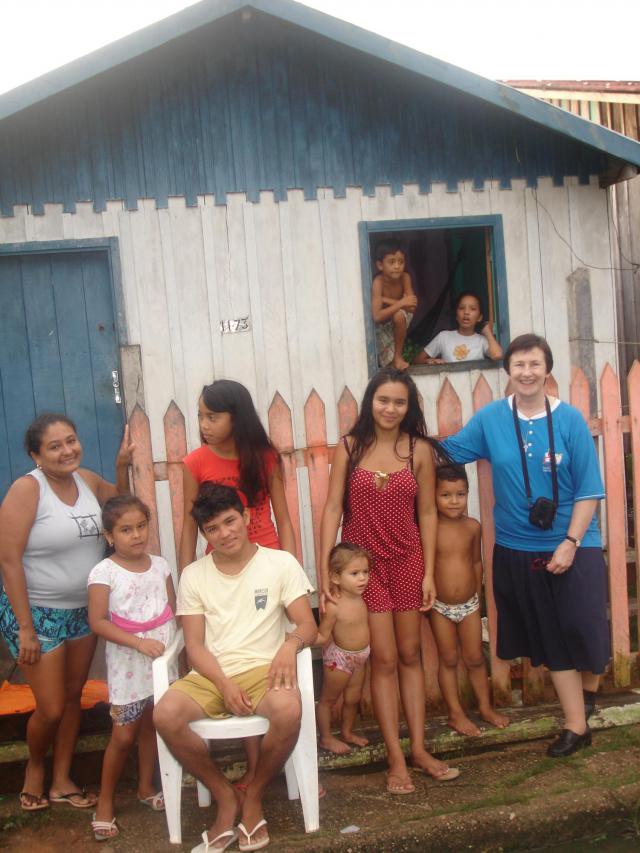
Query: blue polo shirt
[{"x": 490, "y": 434}]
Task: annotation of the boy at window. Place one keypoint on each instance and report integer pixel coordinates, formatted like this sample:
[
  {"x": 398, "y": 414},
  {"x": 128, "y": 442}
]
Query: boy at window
[
  {"x": 393, "y": 302},
  {"x": 463, "y": 343}
]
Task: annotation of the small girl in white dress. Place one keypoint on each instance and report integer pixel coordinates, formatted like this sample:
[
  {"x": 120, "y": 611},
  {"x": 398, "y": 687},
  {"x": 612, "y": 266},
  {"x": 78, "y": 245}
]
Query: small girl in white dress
[{"x": 131, "y": 605}]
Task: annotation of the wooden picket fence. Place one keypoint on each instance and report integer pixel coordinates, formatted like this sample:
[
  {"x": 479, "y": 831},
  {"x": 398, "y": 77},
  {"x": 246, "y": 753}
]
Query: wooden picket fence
[{"x": 608, "y": 430}]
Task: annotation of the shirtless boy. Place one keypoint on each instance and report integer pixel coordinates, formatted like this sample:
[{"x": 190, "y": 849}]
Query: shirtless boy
[
  {"x": 392, "y": 303},
  {"x": 455, "y": 616}
]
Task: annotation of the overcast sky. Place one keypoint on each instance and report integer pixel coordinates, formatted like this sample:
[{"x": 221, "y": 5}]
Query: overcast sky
[{"x": 503, "y": 39}]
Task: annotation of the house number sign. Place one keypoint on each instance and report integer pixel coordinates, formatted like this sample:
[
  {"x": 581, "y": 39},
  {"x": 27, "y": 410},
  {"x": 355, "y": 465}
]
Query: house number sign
[{"x": 229, "y": 327}]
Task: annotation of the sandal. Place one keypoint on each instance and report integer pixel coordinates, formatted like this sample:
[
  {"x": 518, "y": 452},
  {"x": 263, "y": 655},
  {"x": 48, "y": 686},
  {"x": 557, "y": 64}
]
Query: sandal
[
  {"x": 104, "y": 830},
  {"x": 33, "y": 802},
  {"x": 447, "y": 775},
  {"x": 207, "y": 845},
  {"x": 72, "y": 798},
  {"x": 249, "y": 844},
  {"x": 406, "y": 787},
  {"x": 155, "y": 802}
]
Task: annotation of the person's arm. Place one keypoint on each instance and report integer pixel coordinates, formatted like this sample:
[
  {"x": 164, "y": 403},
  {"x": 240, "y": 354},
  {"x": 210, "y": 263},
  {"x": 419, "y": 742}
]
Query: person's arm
[
  {"x": 103, "y": 489},
  {"x": 330, "y": 522},
  {"x": 17, "y": 514},
  {"x": 469, "y": 444},
  {"x": 281, "y": 511},
  {"x": 101, "y": 625},
  {"x": 477, "y": 558},
  {"x": 189, "y": 535},
  {"x": 283, "y": 666},
  {"x": 565, "y": 553},
  {"x": 494, "y": 350},
  {"x": 379, "y": 312},
  {"x": 409, "y": 294},
  {"x": 327, "y": 623},
  {"x": 205, "y": 663},
  {"x": 427, "y": 518}
]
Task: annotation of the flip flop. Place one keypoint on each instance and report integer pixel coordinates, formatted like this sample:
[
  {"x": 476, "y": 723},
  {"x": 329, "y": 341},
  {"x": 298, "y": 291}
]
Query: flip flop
[
  {"x": 72, "y": 797},
  {"x": 406, "y": 787},
  {"x": 448, "y": 775},
  {"x": 32, "y": 802},
  {"x": 207, "y": 845},
  {"x": 253, "y": 845},
  {"x": 155, "y": 802},
  {"x": 109, "y": 829}
]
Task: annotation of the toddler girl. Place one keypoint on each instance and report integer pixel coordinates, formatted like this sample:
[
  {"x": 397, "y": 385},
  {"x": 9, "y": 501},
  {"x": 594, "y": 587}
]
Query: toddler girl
[
  {"x": 131, "y": 605},
  {"x": 344, "y": 633}
]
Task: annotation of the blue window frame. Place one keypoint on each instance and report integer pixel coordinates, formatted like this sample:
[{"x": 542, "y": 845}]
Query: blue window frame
[{"x": 461, "y": 236}]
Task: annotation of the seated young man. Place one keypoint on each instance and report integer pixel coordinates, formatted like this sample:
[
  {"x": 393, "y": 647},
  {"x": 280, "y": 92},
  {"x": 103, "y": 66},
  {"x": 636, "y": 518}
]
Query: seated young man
[{"x": 234, "y": 603}]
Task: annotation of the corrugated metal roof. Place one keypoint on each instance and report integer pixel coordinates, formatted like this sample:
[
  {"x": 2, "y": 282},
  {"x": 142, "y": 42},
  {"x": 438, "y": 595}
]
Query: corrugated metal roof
[{"x": 208, "y": 11}]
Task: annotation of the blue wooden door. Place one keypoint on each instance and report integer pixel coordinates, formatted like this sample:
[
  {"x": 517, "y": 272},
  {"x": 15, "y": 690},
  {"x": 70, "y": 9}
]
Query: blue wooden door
[{"x": 58, "y": 349}]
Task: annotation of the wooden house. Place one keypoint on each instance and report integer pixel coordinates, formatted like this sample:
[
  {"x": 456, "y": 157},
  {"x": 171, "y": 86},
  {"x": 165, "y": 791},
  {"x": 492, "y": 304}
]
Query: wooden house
[{"x": 202, "y": 199}]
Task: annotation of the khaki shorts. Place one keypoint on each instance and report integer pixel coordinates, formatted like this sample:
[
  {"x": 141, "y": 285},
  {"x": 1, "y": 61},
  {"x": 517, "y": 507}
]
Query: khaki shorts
[{"x": 207, "y": 695}]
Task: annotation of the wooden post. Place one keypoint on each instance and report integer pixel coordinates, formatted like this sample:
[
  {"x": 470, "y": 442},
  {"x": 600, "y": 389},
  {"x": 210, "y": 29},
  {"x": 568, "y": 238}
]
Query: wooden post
[
  {"x": 633, "y": 390},
  {"x": 318, "y": 464},
  {"x": 175, "y": 440},
  {"x": 449, "y": 410},
  {"x": 144, "y": 484},
  {"x": 281, "y": 433},
  {"x": 616, "y": 533},
  {"x": 500, "y": 669},
  {"x": 347, "y": 411}
]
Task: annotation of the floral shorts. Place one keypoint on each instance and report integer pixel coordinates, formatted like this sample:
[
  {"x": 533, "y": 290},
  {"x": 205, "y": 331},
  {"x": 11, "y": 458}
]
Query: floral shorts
[
  {"x": 53, "y": 625},
  {"x": 334, "y": 657},
  {"x": 122, "y": 715}
]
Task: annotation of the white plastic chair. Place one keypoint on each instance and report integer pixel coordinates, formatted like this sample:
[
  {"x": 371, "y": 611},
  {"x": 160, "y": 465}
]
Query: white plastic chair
[{"x": 301, "y": 768}]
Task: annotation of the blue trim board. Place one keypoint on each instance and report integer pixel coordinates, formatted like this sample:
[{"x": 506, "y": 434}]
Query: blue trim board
[
  {"x": 366, "y": 229},
  {"x": 248, "y": 106},
  {"x": 436, "y": 70}
]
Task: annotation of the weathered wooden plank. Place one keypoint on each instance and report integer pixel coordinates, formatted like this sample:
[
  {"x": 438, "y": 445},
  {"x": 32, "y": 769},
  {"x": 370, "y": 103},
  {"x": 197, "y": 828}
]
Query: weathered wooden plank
[
  {"x": 500, "y": 670},
  {"x": 281, "y": 433},
  {"x": 142, "y": 471},
  {"x": 347, "y": 411},
  {"x": 316, "y": 432},
  {"x": 175, "y": 438},
  {"x": 616, "y": 539},
  {"x": 579, "y": 393},
  {"x": 449, "y": 410},
  {"x": 633, "y": 389}
]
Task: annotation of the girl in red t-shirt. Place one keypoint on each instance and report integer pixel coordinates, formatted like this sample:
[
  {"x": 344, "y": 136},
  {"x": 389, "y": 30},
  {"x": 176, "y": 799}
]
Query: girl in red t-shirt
[{"x": 236, "y": 451}]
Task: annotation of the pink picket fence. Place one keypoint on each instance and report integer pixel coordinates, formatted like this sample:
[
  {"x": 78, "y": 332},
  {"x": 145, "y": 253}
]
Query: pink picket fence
[{"x": 609, "y": 429}]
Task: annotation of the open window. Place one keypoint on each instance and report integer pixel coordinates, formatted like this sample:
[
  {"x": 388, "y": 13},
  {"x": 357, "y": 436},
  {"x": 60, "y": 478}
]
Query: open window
[{"x": 445, "y": 258}]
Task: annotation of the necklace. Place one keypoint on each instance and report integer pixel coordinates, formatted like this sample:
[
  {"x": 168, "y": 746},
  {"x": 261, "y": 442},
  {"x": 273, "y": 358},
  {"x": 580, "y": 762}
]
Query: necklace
[{"x": 381, "y": 480}]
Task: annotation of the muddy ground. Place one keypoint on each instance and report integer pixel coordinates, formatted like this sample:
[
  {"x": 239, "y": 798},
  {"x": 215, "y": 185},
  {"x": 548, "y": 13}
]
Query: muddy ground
[{"x": 509, "y": 799}]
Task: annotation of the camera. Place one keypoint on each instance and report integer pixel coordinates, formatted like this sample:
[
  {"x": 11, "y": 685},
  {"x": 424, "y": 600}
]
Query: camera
[{"x": 542, "y": 513}]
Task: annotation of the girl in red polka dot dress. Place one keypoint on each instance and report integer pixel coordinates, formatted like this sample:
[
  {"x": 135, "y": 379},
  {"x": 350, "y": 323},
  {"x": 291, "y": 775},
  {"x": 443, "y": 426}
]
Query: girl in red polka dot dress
[{"x": 383, "y": 486}]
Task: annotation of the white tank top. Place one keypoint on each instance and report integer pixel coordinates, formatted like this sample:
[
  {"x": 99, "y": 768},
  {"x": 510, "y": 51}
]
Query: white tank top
[{"x": 64, "y": 544}]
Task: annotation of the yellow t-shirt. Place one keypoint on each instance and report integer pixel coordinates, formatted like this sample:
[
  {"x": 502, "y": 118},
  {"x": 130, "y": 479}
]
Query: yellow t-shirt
[{"x": 245, "y": 619}]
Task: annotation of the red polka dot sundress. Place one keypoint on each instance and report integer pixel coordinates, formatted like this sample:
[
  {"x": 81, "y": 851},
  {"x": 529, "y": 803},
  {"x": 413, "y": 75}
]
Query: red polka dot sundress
[{"x": 383, "y": 521}]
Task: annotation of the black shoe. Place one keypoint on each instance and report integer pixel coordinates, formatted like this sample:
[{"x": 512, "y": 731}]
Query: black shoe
[
  {"x": 589, "y": 702},
  {"x": 568, "y": 742}
]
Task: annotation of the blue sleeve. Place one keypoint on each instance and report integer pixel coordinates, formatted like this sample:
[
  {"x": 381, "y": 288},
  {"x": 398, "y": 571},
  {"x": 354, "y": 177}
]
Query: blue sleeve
[
  {"x": 469, "y": 444},
  {"x": 585, "y": 471}
]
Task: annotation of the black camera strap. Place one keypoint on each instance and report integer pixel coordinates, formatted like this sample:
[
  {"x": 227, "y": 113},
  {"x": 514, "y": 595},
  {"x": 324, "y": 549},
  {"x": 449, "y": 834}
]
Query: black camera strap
[{"x": 523, "y": 458}]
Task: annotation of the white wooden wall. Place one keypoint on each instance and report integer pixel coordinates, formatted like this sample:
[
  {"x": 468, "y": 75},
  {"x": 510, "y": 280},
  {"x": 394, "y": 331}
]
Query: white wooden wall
[{"x": 294, "y": 268}]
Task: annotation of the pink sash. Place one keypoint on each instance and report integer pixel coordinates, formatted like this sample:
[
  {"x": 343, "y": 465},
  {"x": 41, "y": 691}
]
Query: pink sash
[{"x": 133, "y": 627}]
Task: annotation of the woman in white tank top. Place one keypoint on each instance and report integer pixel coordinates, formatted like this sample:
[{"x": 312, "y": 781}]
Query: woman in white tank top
[{"x": 50, "y": 539}]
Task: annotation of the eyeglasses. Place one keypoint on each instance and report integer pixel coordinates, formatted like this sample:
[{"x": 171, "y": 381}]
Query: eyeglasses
[{"x": 539, "y": 564}]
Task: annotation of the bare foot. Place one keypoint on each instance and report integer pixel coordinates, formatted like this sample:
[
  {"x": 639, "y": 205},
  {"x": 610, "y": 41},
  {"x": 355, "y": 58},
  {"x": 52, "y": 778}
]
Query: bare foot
[
  {"x": 229, "y": 803},
  {"x": 356, "y": 740},
  {"x": 334, "y": 745},
  {"x": 397, "y": 784},
  {"x": 399, "y": 363},
  {"x": 34, "y": 779},
  {"x": 494, "y": 718},
  {"x": 426, "y": 763},
  {"x": 462, "y": 724},
  {"x": 251, "y": 816}
]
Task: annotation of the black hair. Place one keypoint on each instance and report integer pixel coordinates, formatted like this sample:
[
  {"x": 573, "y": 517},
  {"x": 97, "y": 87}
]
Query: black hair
[
  {"x": 363, "y": 431},
  {"x": 463, "y": 295},
  {"x": 212, "y": 499},
  {"x": 526, "y": 342},
  {"x": 116, "y": 507},
  {"x": 38, "y": 427},
  {"x": 387, "y": 247},
  {"x": 253, "y": 445},
  {"x": 450, "y": 472},
  {"x": 343, "y": 553}
]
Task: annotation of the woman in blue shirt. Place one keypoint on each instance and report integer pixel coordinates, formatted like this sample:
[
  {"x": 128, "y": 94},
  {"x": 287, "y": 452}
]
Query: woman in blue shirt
[{"x": 549, "y": 575}]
